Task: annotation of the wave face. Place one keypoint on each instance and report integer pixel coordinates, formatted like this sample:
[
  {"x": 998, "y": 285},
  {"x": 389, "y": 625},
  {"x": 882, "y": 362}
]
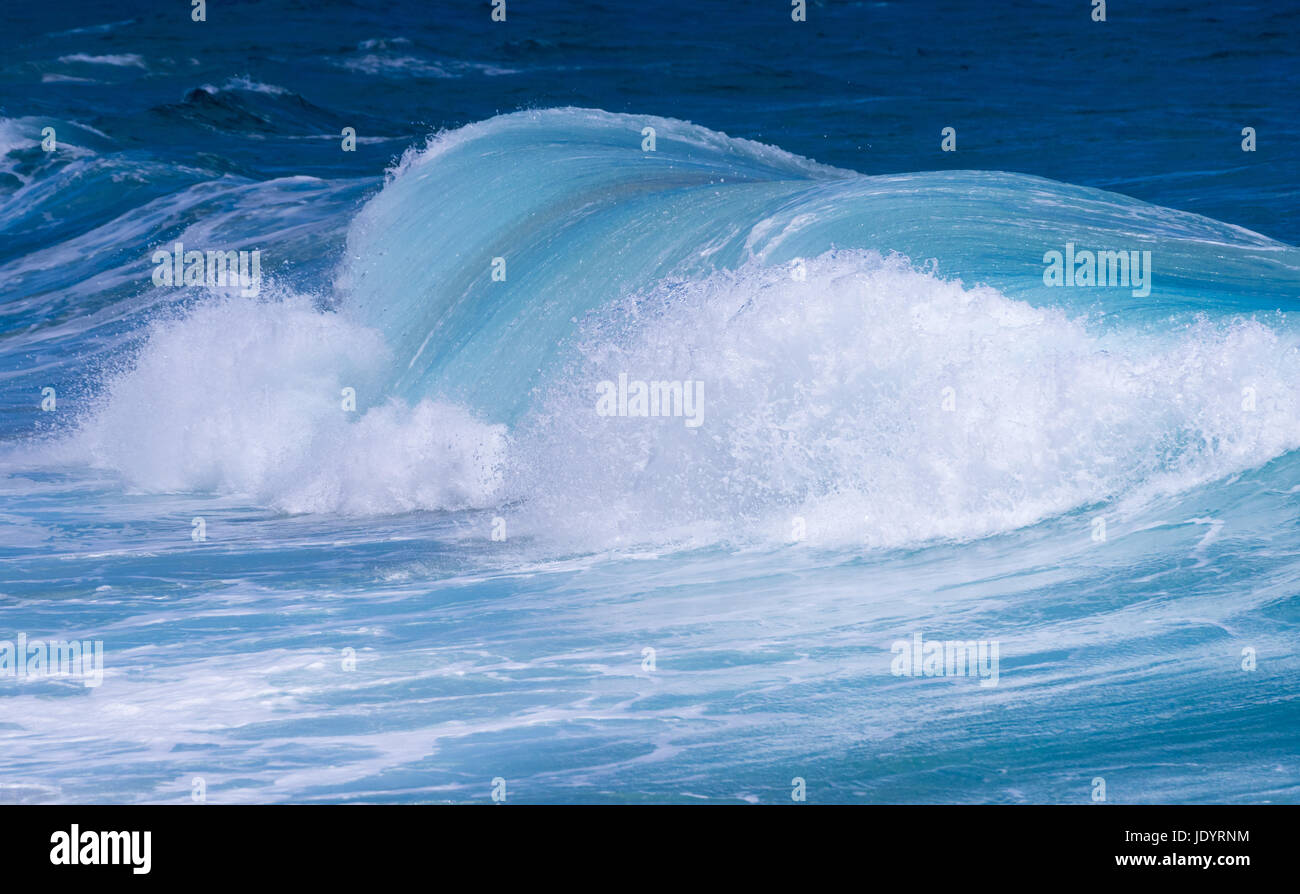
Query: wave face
[
  {"x": 881, "y": 401},
  {"x": 582, "y": 216},
  {"x": 899, "y": 427}
]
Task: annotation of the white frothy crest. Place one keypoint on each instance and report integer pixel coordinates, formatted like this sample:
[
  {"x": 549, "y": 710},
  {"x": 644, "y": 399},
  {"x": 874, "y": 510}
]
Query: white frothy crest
[
  {"x": 246, "y": 397},
  {"x": 885, "y": 406}
]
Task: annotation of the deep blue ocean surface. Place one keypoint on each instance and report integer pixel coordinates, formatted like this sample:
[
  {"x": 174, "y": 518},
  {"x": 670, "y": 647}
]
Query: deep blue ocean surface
[{"x": 368, "y": 534}]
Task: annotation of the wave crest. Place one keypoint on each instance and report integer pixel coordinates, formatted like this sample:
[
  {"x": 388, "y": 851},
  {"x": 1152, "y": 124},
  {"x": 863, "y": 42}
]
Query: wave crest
[{"x": 884, "y": 405}]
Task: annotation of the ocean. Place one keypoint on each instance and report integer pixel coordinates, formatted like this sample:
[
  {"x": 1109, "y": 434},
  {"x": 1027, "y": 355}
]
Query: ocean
[{"x": 645, "y": 403}]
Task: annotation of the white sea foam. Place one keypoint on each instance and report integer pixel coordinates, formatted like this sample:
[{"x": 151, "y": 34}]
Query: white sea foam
[
  {"x": 376, "y": 64},
  {"x": 245, "y": 84},
  {"x": 52, "y": 78},
  {"x": 12, "y": 136},
  {"x": 246, "y": 397},
  {"x": 25, "y": 133},
  {"x": 119, "y": 60},
  {"x": 827, "y": 399}
]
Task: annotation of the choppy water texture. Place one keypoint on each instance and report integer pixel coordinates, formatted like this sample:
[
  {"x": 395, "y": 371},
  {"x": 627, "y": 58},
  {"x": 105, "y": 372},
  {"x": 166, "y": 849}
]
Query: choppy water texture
[{"x": 903, "y": 429}]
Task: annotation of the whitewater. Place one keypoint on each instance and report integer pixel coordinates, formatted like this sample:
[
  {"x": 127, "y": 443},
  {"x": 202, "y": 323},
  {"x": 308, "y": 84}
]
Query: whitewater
[{"x": 469, "y": 573}]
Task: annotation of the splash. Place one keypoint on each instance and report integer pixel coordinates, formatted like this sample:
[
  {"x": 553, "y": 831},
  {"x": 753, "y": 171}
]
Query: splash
[
  {"x": 872, "y": 403},
  {"x": 252, "y": 398}
]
